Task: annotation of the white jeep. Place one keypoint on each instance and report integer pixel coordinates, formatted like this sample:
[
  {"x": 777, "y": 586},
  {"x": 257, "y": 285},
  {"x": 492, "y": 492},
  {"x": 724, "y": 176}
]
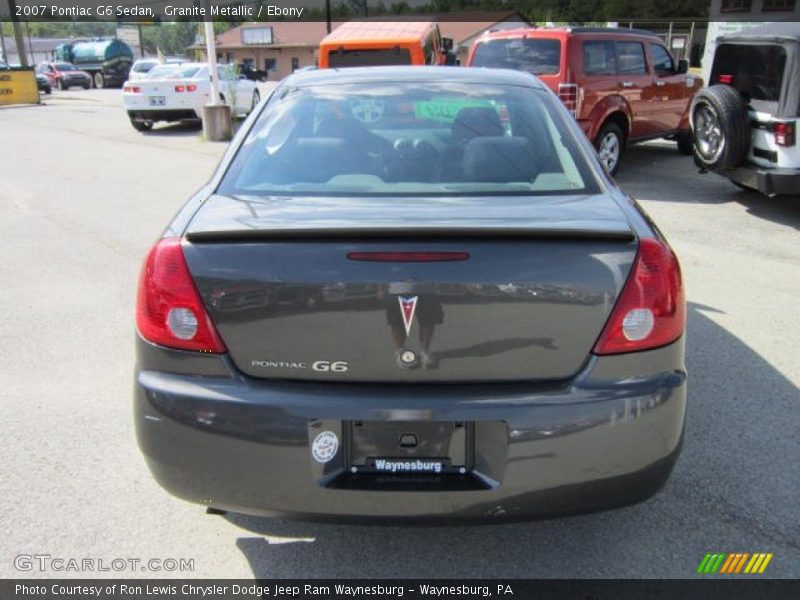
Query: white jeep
[{"x": 744, "y": 124}]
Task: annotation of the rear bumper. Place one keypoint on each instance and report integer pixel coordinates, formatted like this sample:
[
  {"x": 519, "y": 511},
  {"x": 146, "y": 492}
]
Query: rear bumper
[
  {"x": 77, "y": 82},
  {"x": 771, "y": 182},
  {"x": 114, "y": 79},
  {"x": 608, "y": 438},
  {"x": 163, "y": 115}
]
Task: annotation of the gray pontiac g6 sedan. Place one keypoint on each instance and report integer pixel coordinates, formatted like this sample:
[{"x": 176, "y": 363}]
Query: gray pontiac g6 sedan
[{"x": 410, "y": 293}]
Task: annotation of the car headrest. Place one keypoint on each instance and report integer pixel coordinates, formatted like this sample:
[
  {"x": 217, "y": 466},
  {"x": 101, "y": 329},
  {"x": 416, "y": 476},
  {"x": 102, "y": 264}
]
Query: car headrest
[
  {"x": 320, "y": 159},
  {"x": 500, "y": 159},
  {"x": 475, "y": 121}
]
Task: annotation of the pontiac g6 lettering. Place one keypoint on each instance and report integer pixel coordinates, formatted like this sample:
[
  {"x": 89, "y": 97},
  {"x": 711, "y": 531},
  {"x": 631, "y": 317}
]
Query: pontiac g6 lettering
[{"x": 475, "y": 322}]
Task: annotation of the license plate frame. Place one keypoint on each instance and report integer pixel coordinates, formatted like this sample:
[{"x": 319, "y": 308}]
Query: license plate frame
[
  {"x": 440, "y": 447},
  {"x": 157, "y": 100}
]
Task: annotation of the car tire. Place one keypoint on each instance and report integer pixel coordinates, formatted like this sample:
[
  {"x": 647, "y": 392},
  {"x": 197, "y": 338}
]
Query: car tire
[
  {"x": 98, "y": 80},
  {"x": 610, "y": 144},
  {"x": 48, "y": 90},
  {"x": 685, "y": 142},
  {"x": 720, "y": 128},
  {"x": 62, "y": 86},
  {"x": 86, "y": 87},
  {"x": 256, "y": 100},
  {"x": 142, "y": 125}
]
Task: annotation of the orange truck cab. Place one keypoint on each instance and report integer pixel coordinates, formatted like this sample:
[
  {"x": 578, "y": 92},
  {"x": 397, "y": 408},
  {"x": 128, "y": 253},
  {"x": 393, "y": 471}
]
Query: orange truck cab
[{"x": 377, "y": 43}]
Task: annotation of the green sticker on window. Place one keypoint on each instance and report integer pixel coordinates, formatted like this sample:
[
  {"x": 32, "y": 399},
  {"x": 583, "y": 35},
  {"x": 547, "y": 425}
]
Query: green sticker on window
[{"x": 446, "y": 109}]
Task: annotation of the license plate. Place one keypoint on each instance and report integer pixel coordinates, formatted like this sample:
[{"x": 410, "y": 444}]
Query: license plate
[{"x": 157, "y": 101}]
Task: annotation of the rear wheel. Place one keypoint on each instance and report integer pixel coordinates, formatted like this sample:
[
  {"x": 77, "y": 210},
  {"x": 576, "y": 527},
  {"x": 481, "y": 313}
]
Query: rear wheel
[
  {"x": 99, "y": 80},
  {"x": 139, "y": 125},
  {"x": 256, "y": 100},
  {"x": 685, "y": 142},
  {"x": 610, "y": 143},
  {"x": 720, "y": 127},
  {"x": 61, "y": 85}
]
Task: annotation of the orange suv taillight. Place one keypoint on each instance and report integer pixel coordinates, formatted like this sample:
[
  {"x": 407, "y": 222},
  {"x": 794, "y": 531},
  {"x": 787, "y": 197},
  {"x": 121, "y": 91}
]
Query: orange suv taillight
[{"x": 568, "y": 93}]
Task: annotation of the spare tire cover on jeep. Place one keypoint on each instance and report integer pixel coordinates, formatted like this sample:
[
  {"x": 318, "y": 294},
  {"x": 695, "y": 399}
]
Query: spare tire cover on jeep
[{"x": 721, "y": 127}]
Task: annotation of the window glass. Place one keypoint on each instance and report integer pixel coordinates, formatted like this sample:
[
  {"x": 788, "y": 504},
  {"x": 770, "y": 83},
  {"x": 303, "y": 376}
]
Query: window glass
[
  {"x": 537, "y": 56},
  {"x": 393, "y": 139},
  {"x": 736, "y": 5},
  {"x": 172, "y": 72},
  {"x": 756, "y": 70},
  {"x": 599, "y": 58},
  {"x": 144, "y": 66},
  {"x": 630, "y": 58},
  {"x": 369, "y": 58},
  {"x": 662, "y": 61},
  {"x": 778, "y": 5}
]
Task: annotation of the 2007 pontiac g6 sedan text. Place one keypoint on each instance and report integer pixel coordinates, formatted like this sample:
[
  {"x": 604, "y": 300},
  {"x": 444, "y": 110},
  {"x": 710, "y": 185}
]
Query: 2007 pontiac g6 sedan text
[{"x": 411, "y": 293}]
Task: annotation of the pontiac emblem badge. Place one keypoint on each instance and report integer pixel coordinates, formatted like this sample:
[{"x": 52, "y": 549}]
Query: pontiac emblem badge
[{"x": 408, "y": 304}]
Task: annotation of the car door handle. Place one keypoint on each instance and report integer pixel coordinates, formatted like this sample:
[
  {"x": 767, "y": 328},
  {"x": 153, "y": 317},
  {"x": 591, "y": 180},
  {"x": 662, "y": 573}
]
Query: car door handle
[
  {"x": 626, "y": 84},
  {"x": 661, "y": 83}
]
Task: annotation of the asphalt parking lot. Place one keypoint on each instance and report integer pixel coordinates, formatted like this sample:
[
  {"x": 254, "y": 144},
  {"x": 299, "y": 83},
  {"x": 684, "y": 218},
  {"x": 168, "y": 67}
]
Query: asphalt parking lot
[{"x": 83, "y": 196}]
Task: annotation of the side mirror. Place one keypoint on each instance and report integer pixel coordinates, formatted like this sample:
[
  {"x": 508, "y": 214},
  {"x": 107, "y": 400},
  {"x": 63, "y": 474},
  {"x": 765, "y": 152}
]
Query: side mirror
[
  {"x": 447, "y": 44},
  {"x": 683, "y": 66}
]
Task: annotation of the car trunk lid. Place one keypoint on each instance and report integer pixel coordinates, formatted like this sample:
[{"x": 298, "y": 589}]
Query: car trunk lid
[{"x": 410, "y": 290}]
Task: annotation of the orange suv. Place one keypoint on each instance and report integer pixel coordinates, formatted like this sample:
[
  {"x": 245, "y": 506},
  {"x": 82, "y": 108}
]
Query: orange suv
[
  {"x": 382, "y": 43},
  {"x": 622, "y": 85}
]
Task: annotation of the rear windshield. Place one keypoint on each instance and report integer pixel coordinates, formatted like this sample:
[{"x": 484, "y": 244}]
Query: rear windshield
[
  {"x": 369, "y": 58},
  {"x": 172, "y": 72},
  {"x": 64, "y": 67},
  {"x": 418, "y": 138},
  {"x": 144, "y": 67},
  {"x": 756, "y": 70},
  {"x": 537, "y": 56}
]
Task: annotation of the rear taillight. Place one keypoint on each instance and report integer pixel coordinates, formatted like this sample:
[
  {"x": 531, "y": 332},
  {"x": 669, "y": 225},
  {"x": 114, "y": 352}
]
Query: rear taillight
[
  {"x": 726, "y": 79},
  {"x": 568, "y": 93},
  {"x": 169, "y": 311},
  {"x": 651, "y": 310},
  {"x": 131, "y": 89},
  {"x": 784, "y": 133},
  {"x": 191, "y": 88},
  {"x": 180, "y": 88}
]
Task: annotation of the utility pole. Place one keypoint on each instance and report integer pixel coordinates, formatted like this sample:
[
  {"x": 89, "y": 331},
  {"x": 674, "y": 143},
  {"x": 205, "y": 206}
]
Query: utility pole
[
  {"x": 30, "y": 45},
  {"x": 3, "y": 43},
  {"x": 328, "y": 15},
  {"x": 216, "y": 114},
  {"x": 19, "y": 36}
]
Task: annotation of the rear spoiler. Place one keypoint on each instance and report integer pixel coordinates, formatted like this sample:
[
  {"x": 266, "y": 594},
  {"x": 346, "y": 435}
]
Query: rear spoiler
[{"x": 405, "y": 233}]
